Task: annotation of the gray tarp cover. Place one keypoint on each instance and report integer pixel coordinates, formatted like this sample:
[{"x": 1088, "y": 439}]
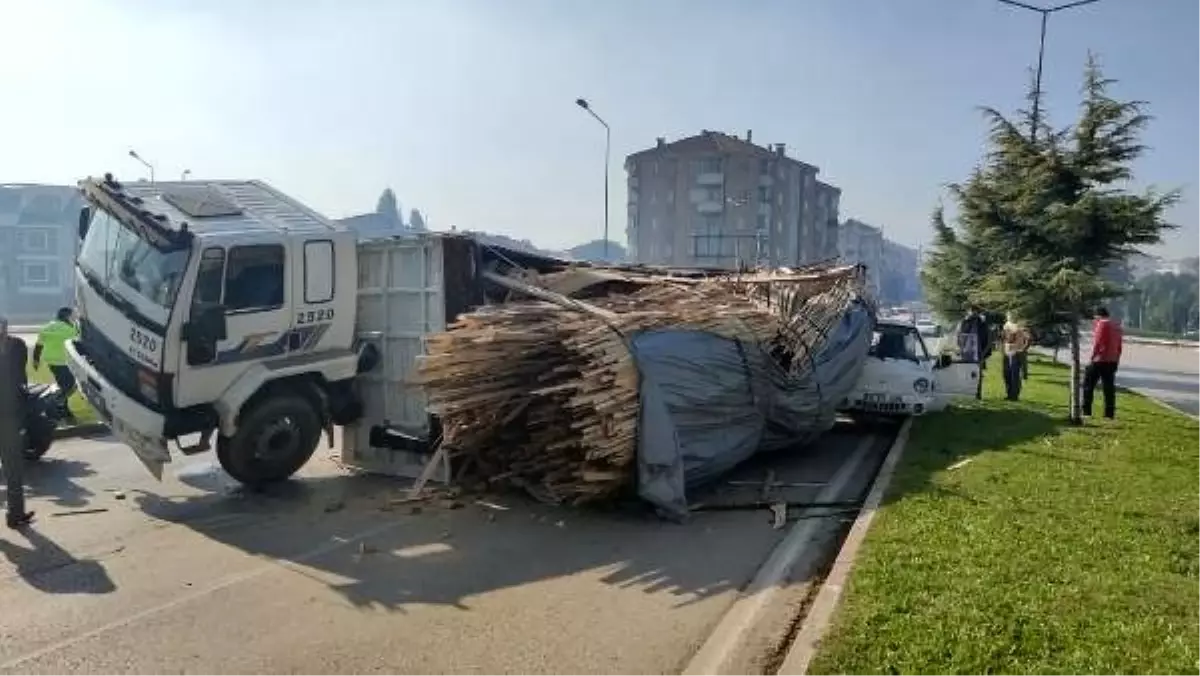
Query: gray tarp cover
[{"x": 708, "y": 403}]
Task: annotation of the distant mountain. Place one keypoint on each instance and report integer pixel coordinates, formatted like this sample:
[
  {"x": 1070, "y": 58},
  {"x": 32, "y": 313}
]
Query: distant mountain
[{"x": 593, "y": 252}]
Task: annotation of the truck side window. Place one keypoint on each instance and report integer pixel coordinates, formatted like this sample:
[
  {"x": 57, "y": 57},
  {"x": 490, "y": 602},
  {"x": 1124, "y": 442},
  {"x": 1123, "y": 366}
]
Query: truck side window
[
  {"x": 254, "y": 278},
  {"x": 318, "y": 271},
  {"x": 210, "y": 280}
]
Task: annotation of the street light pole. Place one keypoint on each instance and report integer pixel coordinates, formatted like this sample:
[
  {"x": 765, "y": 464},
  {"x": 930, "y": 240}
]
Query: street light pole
[
  {"x": 1037, "y": 81},
  {"x": 582, "y": 103},
  {"x": 134, "y": 155}
]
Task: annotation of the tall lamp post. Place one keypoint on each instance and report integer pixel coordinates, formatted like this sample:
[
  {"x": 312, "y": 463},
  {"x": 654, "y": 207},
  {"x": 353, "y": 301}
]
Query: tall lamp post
[
  {"x": 1037, "y": 84},
  {"x": 582, "y": 103},
  {"x": 134, "y": 155}
]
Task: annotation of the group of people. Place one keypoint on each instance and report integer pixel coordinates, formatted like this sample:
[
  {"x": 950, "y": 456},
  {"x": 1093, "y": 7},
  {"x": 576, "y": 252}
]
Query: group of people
[
  {"x": 51, "y": 350},
  {"x": 975, "y": 345}
]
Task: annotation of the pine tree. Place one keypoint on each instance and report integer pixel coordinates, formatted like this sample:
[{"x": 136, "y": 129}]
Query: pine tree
[
  {"x": 416, "y": 221},
  {"x": 1041, "y": 223},
  {"x": 389, "y": 208}
]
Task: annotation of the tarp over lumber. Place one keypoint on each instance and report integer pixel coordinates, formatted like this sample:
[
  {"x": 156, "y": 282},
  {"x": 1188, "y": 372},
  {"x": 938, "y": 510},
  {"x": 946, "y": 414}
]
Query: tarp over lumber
[{"x": 581, "y": 400}]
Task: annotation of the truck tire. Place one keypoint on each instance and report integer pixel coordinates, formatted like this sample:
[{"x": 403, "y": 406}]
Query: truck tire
[{"x": 274, "y": 440}]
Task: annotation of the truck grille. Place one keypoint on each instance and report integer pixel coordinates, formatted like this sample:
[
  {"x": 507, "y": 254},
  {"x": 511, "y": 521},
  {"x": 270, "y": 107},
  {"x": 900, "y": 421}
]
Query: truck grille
[{"x": 113, "y": 363}]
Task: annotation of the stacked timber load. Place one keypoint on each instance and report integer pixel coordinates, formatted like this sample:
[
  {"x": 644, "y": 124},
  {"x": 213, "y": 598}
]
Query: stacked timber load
[{"x": 544, "y": 394}]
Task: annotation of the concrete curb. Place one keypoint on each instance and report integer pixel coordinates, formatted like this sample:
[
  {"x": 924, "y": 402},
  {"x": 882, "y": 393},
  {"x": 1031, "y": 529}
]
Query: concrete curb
[
  {"x": 718, "y": 650},
  {"x": 820, "y": 614},
  {"x": 84, "y": 430},
  {"x": 1166, "y": 405}
]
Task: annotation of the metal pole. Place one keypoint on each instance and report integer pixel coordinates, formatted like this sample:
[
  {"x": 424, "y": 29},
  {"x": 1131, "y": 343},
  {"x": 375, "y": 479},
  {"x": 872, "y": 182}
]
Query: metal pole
[
  {"x": 1037, "y": 86},
  {"x": 607, "y": 150},
  {"x": 1037, "y": 83},
  {"x": 582, "y": 103}
]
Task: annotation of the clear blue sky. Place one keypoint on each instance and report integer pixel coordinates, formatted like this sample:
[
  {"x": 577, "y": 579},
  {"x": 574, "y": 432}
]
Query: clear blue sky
[{"x": 465, "y": 107}]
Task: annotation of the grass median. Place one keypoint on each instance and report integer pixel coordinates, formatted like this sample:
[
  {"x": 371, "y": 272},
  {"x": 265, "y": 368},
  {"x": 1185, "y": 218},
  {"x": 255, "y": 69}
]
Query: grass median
[
  {"x": 78, "y": 405},
  {"x": 1011, "y": 542}
]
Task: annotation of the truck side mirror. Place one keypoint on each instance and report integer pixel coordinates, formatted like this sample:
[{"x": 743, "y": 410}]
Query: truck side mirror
[
  {"x": 944, "y": 360},
  {"x": 207, "y": 323},
  {"x": 85, "y": 220}
]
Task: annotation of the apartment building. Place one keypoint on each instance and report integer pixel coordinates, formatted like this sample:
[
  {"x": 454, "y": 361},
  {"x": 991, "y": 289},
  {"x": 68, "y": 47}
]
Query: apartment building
[
  {"x": 38, "y": 239},
  {"x": 861, "y": 243},
  {"x": 716, "y": 200},
  {"x": 899, "y": 273},
  {"x": 825, "y": 222}
]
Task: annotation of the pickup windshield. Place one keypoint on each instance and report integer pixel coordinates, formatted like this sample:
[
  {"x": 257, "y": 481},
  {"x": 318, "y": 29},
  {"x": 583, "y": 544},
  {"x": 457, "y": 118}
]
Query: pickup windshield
[
  {"x": 116, "y": 257},
  {"x": 897, "y": 342}
]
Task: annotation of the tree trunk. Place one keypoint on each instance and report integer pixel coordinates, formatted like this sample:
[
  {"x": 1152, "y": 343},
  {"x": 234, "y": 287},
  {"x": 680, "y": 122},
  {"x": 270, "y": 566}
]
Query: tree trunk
[{"x": 1076, "y": 413}]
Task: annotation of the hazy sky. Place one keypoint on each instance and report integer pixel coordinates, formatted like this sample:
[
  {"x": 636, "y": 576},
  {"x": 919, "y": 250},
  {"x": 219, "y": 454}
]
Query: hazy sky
[{"x": 465, "y": 107}]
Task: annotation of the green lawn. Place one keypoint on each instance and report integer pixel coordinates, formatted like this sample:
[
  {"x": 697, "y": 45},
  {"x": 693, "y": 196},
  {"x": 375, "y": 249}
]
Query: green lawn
[
  {"x": 1055, "y": 549},
  {"x": 79, "y": 406}
]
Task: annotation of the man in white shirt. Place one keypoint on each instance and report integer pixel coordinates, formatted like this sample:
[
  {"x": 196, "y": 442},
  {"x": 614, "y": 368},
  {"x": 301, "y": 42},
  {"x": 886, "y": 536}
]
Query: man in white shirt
[{"x": 1016, "y": 338}]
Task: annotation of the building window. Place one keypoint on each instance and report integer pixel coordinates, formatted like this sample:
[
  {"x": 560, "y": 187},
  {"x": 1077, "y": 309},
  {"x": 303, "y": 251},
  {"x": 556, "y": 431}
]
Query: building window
[
  {"x": 39, "y": 274},
  {"x": 37, "y": 240},
  {"x": 764, "y": 194},
  {"x": 760, "y": 223},
  {"x": 670, "y": 197},
  {"x": 779, "y": 199},
  {"x": 708, "y": 165},
  {"x": 764, "y": 167}
]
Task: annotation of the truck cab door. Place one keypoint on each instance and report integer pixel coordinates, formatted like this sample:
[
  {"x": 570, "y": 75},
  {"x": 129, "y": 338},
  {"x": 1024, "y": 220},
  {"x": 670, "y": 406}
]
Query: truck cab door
[{"x": 248, "y": 280}]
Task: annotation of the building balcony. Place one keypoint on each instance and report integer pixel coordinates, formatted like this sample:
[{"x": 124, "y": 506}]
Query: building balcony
[
  {"x": 711, "y": 178},
  {"x": 710, "y": 207}
]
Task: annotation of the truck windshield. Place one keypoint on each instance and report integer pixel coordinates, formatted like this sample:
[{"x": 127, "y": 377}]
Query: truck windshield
[{"x": 116, "y": 257}]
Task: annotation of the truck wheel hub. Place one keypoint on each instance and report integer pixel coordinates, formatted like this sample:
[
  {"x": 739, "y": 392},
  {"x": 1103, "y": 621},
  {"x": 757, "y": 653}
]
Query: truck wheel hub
[{"x": 279, "y": 437}]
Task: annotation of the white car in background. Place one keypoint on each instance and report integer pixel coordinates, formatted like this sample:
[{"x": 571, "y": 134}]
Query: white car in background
[{"x": 902, "y": 378}]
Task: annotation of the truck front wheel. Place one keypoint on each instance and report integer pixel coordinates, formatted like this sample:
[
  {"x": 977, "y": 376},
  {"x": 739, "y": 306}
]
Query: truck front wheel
[{"x": 274, "y": 440}]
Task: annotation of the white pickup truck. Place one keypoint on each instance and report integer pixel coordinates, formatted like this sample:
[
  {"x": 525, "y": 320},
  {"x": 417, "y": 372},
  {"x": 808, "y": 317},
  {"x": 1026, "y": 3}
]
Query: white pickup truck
[{"x": 902, "y": 378}]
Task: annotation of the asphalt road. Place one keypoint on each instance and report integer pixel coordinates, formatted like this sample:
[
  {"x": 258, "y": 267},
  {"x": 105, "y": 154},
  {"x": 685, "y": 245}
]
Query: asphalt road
[
  {"x": 1168, "y": 374},
  {"x": 324, "y": 575}
]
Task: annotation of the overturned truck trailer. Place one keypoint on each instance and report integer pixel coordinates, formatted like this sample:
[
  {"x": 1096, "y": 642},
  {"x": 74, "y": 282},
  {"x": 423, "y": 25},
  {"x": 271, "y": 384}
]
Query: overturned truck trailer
[{"x": 615, "y": 382}]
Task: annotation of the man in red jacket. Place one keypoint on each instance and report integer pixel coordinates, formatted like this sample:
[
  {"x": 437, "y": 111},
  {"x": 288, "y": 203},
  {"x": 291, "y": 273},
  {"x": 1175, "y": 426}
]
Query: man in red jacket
[{"x": 1106, "y": 355}]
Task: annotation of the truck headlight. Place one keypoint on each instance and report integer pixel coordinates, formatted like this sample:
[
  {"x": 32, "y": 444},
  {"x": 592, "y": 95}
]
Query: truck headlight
[
  {"x": 921, "y": 385},
  {"x": 148, "y": 385}
]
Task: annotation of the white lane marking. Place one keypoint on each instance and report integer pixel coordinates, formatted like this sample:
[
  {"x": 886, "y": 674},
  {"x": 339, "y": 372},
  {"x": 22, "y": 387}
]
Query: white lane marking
[
  {"x": 273, "y": 564},
  {"x": 714, "y": 656}
]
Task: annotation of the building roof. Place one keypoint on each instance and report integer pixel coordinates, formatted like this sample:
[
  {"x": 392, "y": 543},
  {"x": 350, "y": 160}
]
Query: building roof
[
  {"x": 828, "y": 186},
  {"x": 714, "y": 142}
]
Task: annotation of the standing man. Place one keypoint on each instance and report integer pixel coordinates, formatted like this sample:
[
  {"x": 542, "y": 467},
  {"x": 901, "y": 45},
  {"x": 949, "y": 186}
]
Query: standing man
[
  {"x": 52, "y": 346},
  {"x": 974, "y": 345},
  {"x": 13, "y": 354},
  {"x": 1106, "y": 355},
  {"x": 1016, "y": 341}
]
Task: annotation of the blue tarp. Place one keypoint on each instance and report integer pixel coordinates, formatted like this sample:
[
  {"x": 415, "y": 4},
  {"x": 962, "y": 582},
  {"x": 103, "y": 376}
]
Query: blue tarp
[{"x": 708, "y": 403}]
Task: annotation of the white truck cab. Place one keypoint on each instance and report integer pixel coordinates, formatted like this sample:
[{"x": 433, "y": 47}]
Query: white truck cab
[
  {"x": 901, "y": 377},
  {"x": 215, "y": 307}
]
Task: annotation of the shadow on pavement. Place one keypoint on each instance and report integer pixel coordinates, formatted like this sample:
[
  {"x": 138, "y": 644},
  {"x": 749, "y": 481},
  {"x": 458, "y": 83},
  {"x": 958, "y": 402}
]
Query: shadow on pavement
[
  {"x": 55, "y": 479},
  {"x": 445, "y": 552},
  {"x": 49, "y": 568},
  {"x": 960, "y": 433}
]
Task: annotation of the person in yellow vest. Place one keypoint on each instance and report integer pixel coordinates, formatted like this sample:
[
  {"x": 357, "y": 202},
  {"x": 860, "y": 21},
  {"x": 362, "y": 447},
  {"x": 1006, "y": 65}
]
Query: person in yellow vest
[{"x": 51, "y": 347}]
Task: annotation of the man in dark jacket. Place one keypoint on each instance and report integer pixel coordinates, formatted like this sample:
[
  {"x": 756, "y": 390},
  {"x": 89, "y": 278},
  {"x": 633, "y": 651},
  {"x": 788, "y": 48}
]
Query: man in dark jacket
[
  {"x": 13, "y": 355},
  {"x": 974, "y": 343}
]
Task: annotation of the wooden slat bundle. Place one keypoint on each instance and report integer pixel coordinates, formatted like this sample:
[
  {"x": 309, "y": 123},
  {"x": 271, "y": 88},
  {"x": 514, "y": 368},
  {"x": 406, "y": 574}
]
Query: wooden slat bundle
[{"x": 545, "y": 396}]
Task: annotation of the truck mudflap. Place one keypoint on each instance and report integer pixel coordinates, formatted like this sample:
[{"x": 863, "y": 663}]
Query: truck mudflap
[{"x": 131, "y": 423}]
